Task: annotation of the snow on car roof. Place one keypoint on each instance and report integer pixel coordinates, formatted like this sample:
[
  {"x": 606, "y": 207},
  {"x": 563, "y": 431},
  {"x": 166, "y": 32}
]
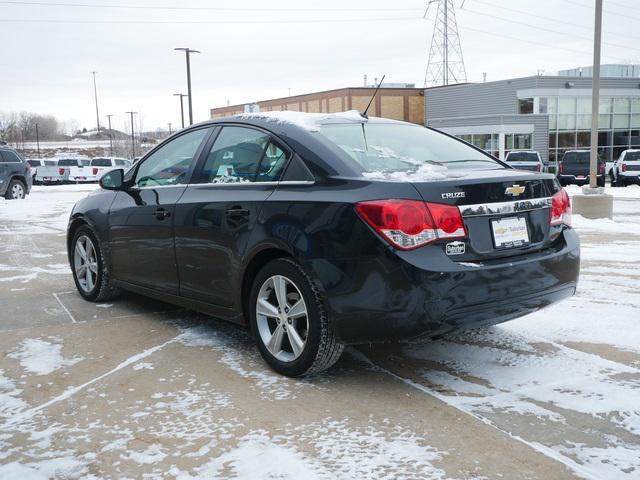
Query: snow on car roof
[{"x": 309, "y": 121}]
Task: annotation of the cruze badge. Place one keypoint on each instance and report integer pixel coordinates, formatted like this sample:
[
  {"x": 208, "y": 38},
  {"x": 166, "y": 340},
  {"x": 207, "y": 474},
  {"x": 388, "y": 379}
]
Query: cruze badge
[
  {"x": 514, "y": 190},
  {"x": 453, "y": 195}
]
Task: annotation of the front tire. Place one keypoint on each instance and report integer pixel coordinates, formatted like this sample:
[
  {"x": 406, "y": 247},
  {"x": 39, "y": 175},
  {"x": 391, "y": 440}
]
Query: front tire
[
  {"x": 89, "y": 269},
  {"x": 289, "y": 322}
]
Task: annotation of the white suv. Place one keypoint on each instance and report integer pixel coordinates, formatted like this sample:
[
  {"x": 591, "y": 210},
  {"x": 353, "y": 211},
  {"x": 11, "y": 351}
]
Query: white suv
[{"x": 626, "y": 170}]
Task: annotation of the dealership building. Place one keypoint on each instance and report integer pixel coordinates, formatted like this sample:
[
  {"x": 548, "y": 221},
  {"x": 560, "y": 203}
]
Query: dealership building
[{"x": 550, "y": 114}]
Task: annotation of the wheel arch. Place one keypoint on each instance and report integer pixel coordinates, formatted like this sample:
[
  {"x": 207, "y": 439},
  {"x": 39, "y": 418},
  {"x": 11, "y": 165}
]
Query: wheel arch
[{"x": 258, "y": 260}]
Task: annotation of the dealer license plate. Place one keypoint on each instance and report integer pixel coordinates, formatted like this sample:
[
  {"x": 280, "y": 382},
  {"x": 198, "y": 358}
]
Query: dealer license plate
[{"x": 510, "y": 232}]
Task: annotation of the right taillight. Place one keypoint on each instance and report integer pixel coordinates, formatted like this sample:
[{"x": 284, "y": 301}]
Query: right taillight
[
  {"x": 61, "y": 171},
  {"x": 561, "y": 208},
  {"x": 624, "y": 167},
  {"x": 409, "y": 224},
  {"x": 95, "y": 171}
]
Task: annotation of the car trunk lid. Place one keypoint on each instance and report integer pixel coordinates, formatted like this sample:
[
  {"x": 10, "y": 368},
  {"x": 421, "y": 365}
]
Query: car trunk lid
[{"x": 506, "y": 212}]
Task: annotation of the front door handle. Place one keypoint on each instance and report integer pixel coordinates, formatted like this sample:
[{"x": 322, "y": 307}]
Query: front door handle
[{"x": 162, "y": 213}]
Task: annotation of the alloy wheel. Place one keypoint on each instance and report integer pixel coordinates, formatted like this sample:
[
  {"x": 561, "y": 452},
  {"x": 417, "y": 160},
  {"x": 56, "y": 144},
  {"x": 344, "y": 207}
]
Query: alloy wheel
[
  {"x": 17, "y": 191},
  {"x": 85, "y": 262},
  {"x": 282, "y": 318}
]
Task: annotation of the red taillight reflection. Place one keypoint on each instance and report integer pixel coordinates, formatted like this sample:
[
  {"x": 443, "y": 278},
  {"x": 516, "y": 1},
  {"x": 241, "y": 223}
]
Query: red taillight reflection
[
  {"x": 561, "y": 208},
  {"x": 560, "y": 168},
  {"x": 61, "y": 171},
  {"x": 624, "y": 167},
  {"x": 409, "y": 224}
]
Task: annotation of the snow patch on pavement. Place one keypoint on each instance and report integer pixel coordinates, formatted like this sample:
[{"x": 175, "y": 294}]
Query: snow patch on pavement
[{"x": 42, "y": 357}]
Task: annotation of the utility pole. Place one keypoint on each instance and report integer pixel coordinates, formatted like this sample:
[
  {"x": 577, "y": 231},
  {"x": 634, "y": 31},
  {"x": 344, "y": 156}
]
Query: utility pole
[
  {"x": 169, "y": 128},
  {"x": 446, "y": 63},
  {"x": 38, "y": 140},
  {"x": 188, "y": 52},
  {"x": 133, "y": 136},
  {"x": 595, "y": 96},
  {"x": 110, "y": 135},
  {"x": 181, "y": 95},
  {"x": 95, "y": 93}
]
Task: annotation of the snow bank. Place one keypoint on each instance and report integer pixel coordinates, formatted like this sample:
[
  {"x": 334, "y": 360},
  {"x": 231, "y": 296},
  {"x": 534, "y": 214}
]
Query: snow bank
[{"x": 309, "y": 121}]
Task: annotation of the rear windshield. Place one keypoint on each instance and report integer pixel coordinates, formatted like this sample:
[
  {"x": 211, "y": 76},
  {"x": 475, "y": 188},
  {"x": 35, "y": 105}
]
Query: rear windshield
[
  {"x": 100, "y": 162},
  {"x": 123, "y": 162},
  {"x": 522, "y": 157},
  {"x": 66, "y": 162},
  {"x": 632, "y": 156},
  {"x": 391, "y": 148},
  {"x": 50, "y": 162},
  {"x": 34, "y": 163},
  {"x": 577, "y": 157}
]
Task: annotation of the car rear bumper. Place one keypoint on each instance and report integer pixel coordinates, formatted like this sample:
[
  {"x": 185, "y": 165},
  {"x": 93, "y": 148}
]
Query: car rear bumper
[
  {"x": 630, "y": 178},
  {"x": 425, "y": 293},
  {"x": 563, "y": 178}
]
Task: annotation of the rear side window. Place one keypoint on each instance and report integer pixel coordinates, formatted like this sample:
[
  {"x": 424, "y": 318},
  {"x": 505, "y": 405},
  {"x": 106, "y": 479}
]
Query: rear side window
[
  {"x": 631, "y": 156},
  {"x": 101, "y": 162},
  {"x": 236, "y": 155},
  {"x": 7, "y": 156},
  {"x": 66, "y": 162}
]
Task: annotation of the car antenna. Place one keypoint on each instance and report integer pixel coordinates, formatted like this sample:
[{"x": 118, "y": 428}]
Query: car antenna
[{"x": 364, "y": 114}]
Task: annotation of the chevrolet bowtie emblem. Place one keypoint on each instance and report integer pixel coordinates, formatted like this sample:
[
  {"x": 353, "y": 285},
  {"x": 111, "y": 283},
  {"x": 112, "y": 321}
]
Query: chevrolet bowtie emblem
[{"x": 514, "y": 190}]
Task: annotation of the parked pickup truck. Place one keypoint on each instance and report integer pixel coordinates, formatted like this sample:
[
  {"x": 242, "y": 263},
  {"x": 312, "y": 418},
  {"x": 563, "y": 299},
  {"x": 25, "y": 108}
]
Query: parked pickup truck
[
  {"x": 102, "y": 165},
  {"x": 78, "y": 167},
  {"x": 50, "y": 173},
  {"x": 626, "y": 170},
  {"x": 574, "y": 168},
  {"x": 521, "y": 160}
]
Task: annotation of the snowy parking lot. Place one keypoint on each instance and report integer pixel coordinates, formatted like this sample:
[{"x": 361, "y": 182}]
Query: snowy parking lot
[{"x": 137, "y": 388}]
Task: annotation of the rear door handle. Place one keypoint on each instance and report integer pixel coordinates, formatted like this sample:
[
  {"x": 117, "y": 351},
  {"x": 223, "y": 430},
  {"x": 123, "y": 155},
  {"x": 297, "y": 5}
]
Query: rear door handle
[
  {"x": 237, "y": 212},
  {"x": 162, "y": 213}
]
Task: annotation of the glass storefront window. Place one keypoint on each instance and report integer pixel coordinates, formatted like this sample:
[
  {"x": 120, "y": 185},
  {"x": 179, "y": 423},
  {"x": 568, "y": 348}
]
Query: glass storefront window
[
  {"x": 620, "y": 105},
  {"x": 552, "y": 105},
  {"x": 567, "y": 105},
  {"x": 542, "y": 105},
  {"x": 583, "y": 139},
  {"x": 553, "y": 143},
  {"x": 635, "y": 104},
  {"x": 635, "y": 121},
  {"x": 522, "y": 141},
  {"x": 621, "y": 121},
  {"x": 621, "y": 137},
  {"x": 604, "y": 121},
  {"x": 605, "y": 105},
  {"x": 584, "y": 105},
  {"x": 566, "y": 122},
  {"x": 567, "y": 140},
  {"x": 525, "y": 105},
  {"x": 583, "y": 122},
  {"x": 553, "y": 122}
]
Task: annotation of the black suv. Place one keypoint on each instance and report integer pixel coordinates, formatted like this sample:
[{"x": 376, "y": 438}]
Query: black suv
[
  {"x": 574, "y": 168},
  {"x": 15, "y": 174}
]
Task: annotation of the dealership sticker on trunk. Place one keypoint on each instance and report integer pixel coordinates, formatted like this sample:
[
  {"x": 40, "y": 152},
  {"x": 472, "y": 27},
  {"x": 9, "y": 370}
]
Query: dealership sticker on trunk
[
  {"x": 455, "y": 248},
  {"x": 510, "y": 232}
]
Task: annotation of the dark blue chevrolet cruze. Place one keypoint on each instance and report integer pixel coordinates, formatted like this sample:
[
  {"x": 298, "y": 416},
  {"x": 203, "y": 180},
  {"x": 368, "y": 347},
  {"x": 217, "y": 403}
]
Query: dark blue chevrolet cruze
[{"x": 325, "y": 230}]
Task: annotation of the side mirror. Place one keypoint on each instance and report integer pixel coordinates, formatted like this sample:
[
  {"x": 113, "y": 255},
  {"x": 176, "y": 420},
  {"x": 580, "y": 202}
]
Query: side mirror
[{"x": 113, "y": 180}]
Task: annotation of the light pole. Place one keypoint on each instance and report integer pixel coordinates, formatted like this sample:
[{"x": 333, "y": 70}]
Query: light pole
[
  {"x": 38, "y": 140},
  {"x": 188, "y": 52},
  {"x": 95, "y": 93},
  {"x": 169, "y": 128},
  {"x": 133, "y": 137},
  {"x": 110, "y": 135},
  {"x": 181, "y": 95},
  {"x": 595, "y": 96}
]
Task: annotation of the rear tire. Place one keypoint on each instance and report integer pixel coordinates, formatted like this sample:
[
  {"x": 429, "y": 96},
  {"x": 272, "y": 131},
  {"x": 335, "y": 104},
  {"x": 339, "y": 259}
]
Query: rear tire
[
  {"x": 16, "y": 190},
  {"x": 289, "y": 321},
  {"x": 89, "y": 268},
  {"x": 600, "y": 182}
]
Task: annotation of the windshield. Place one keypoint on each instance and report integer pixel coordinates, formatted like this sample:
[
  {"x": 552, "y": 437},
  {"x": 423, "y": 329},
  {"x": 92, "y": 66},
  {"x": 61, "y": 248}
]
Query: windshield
[
  {"x": 631, "y": 156},
  {"x": 522, "y": 157},
  {"x": 577, "y": 157},
  {"x": 385, "y": 147},
  {"x": 100, "y": 162}
]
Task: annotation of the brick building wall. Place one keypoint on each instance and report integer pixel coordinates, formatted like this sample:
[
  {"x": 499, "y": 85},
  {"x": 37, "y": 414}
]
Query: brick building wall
[{"x": 397, "y": 103}]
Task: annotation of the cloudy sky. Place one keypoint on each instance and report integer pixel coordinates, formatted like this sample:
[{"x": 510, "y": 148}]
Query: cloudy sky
[{"x": 254, "y": 50}]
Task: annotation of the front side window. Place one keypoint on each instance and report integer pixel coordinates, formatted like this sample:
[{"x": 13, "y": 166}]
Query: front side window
[
  {"x": 385, "y": 147},
  {"x": 170, "y": 164},
  {"x": 235, "y": 157}
]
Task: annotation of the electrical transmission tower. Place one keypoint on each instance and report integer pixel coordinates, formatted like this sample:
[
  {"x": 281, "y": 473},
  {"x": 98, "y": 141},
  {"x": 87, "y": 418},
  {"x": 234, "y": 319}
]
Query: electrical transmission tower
[{"x": 446, "y": 64}]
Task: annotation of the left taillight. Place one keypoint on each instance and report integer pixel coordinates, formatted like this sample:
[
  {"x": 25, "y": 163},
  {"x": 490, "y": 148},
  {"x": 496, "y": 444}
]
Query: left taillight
[
  {"x": 601, "y": 168},
  {"x": 561, "y": 209},
  {"x": 409, "y": 224},
  {"x": 95, "y": 171},
  {"x": 539, "y": 167},
  {"x": 624, "y": 167}
]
